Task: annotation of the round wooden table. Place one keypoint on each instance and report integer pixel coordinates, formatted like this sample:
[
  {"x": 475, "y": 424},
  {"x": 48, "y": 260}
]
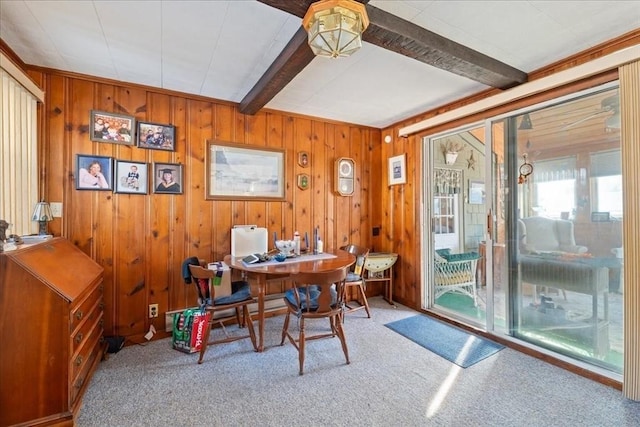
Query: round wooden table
[{"x": 262, "y": 272}]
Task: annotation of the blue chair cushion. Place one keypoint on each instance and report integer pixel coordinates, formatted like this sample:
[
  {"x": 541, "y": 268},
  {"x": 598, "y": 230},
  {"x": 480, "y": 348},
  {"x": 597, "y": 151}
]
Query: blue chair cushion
[
  {"x": 462, "y": 257},
  {"x": 353, "y": 277},
  {"x": 312, "y": 304},
  {"x": 240, "y": 291}
]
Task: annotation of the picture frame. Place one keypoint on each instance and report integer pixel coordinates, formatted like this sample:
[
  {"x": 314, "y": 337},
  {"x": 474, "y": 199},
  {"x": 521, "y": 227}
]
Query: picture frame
[
  {"x": 94, "y": 172},
  {"x": 476, "y": 192},
  {"x": 156, "y": 136},
  {"x": 164, "y": 184},
  {"x": 244, "y": 172},
  {"x": 131, "y": 177},
  {"x": 397, "y": 170},
  {"x": 111, "y": 127},
  {"x": 304, "y": 159}
]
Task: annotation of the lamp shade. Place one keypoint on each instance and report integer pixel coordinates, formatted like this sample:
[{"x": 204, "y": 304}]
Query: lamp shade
[
  {"x": 42, "y": 214},
  {"x": 335, "y": 27}
]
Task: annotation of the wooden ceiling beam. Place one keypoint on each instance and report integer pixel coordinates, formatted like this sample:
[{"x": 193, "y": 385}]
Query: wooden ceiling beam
[
  {"x": 401, "y": 36},
  {"x": 389, "y": 32},
  {"x": 294, "y": 57}
]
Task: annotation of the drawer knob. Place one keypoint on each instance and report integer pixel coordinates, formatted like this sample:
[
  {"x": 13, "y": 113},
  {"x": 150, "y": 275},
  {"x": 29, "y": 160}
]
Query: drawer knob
[
  {"x": 78, "y": 360},
  {"x": 79, "y": 338},
  {"x": 79, "y": 315}
]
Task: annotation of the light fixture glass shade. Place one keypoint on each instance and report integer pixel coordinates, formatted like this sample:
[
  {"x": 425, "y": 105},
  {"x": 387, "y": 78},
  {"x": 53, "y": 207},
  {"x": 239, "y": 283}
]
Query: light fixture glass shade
[
  {"x": 335, "y": 27},
  {"x": 42, "y": 214},
  {"x": 525, "y": 124}
]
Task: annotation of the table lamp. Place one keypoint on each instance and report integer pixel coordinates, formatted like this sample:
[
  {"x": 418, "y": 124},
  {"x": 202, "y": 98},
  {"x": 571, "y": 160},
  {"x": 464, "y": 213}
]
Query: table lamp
[{"x": 42, "y": 214}]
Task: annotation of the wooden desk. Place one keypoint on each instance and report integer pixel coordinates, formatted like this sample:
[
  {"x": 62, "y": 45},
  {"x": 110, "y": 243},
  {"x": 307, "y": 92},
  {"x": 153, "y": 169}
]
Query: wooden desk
[{"x": 263, "y": 272}]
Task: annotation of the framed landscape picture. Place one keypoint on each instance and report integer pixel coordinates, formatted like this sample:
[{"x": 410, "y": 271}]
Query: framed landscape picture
[
  {"x": 94, "y": 172},
  {"x": 110, "y": 127},
  {"x": 131, "y": 177},
  {"x": 244, "y": 172},
  {"x": 156, "y": 136}
]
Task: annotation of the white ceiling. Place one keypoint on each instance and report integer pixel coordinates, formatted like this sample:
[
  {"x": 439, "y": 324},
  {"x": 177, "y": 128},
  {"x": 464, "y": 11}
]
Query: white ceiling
[{"x": 219, "y": 49}]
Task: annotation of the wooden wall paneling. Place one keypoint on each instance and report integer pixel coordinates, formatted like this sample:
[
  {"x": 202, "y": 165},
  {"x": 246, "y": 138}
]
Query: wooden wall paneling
[
  {"x": 357, "y": 211},
  {"x": 302, "y": 199},
  {"x": 54, "y": 161},
  {"x": 321, "y": 172},
  {"x": 342, "y": 226},
  {"x": 256, "y": 211},
  {"x": 181, "y": 205},
  {"x": 409, "y": 271},
  {"x": 377, "y": 196},
  {"x": 129, "y": 253},
  {"x": 275, "y": 211}
]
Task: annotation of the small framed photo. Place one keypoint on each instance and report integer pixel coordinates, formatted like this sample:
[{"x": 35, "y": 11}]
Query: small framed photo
[
  {"x": 110, "y": 127},
  {"x": 156, "y": 136},
  {"x": 397, "y": 170},
  {"x": 94, "y": 172},
  {"x": 600, "y": 217},
  {"x": 167, "y": 178},
  {"x": 476, "y": 192},
  {"x": 131, "y": 177},
  {"x": 304, "y": 159}
]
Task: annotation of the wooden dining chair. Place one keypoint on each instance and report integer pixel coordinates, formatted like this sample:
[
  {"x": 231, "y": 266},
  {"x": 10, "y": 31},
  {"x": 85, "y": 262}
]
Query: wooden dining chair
[
  {"x": 315, "y": 295},
  {"x": 355, "y": 280},
  {"x": 240, "y": 298}
]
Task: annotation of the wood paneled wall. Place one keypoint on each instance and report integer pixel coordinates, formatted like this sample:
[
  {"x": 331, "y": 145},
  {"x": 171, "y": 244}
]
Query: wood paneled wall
[{"x": 142, "y": 240}]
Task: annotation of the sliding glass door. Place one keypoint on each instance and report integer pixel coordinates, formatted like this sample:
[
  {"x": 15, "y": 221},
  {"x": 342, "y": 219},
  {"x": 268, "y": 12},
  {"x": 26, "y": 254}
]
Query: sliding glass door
[
  {"x": 523, "y": 226},
  {"x": 565, "y": 227}
]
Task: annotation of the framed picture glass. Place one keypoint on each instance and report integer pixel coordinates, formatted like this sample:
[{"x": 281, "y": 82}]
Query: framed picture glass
[
  {"x": 131, "y": 177},
  {"x": 397, "y": 170},
  {"x": 110, "y": 127},
  {"x": 94, "y": 172},
  {"x": 476, "y": 192},
  {"x": 243, "y": 172},
  {"x": 167, "y": 178},
  {"x": 156, "y": 136}
]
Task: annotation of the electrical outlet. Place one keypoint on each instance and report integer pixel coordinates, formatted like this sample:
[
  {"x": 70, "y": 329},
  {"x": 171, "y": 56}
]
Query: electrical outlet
[{"x": 153, "y": 310}]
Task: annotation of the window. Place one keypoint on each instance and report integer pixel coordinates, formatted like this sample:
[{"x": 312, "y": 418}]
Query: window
[{"x": 608, "y": 195}]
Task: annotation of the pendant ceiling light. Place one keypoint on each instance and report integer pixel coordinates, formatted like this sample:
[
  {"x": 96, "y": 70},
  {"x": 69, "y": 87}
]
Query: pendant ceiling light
[{"x": 335, "y": 27}]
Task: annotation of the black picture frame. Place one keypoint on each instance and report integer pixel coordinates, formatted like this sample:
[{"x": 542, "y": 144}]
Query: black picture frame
[
  {"x": 159, "y": 184},
  {"x": 131, "y": 177},
  {"x": 121, "y": 127},
  {"x": 156, "y": 136},
  {"x": 86, "y": 179}
]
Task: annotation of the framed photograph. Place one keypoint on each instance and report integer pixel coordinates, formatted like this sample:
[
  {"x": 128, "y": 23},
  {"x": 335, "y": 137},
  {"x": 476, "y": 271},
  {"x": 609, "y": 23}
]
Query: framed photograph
[
  {"x": 244, "y": 172},
  {"x": 397, "y": 170},
  {"x": 94, "y": 172},
  {"x": 476, "y": 192},
  {"x": 167, "y": 178},
  {"x": 156, "y": 136},
  {"x": 131, "y": 177},
  {"x": 304, "y": 159},
  {"x": 110, "y": 127}
]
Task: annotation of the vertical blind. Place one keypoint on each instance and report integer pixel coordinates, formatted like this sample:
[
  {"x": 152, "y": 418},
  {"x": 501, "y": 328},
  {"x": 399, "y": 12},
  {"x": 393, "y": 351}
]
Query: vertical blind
[{"x": 18, "y": 155}]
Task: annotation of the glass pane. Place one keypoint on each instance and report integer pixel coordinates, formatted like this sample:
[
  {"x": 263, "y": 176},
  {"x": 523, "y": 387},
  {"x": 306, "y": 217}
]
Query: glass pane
[{"x": 566, "y": 267}]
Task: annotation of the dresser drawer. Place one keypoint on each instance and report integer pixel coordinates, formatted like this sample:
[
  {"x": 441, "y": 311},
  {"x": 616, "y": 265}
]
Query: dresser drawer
[
  {"x": 83, "y": 309},
  {"x": 85, "y": 370},
  {"x": 93, "y": 319},
  {"x": 80, "y": 358}
]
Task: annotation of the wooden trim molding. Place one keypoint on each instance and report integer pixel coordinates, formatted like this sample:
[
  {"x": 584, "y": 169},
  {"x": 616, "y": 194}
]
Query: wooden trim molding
[
  {"x": 561, "y": 78},
  {"x": 14, "y": 71}
]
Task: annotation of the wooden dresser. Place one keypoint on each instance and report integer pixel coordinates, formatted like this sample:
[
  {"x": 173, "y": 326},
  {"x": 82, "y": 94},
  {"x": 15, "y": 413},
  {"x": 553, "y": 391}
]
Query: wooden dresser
[{"x": 51, "y": 315}]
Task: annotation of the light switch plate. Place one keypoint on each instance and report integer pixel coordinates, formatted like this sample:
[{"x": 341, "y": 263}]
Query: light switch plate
[{"x": 56, "y": 209}]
